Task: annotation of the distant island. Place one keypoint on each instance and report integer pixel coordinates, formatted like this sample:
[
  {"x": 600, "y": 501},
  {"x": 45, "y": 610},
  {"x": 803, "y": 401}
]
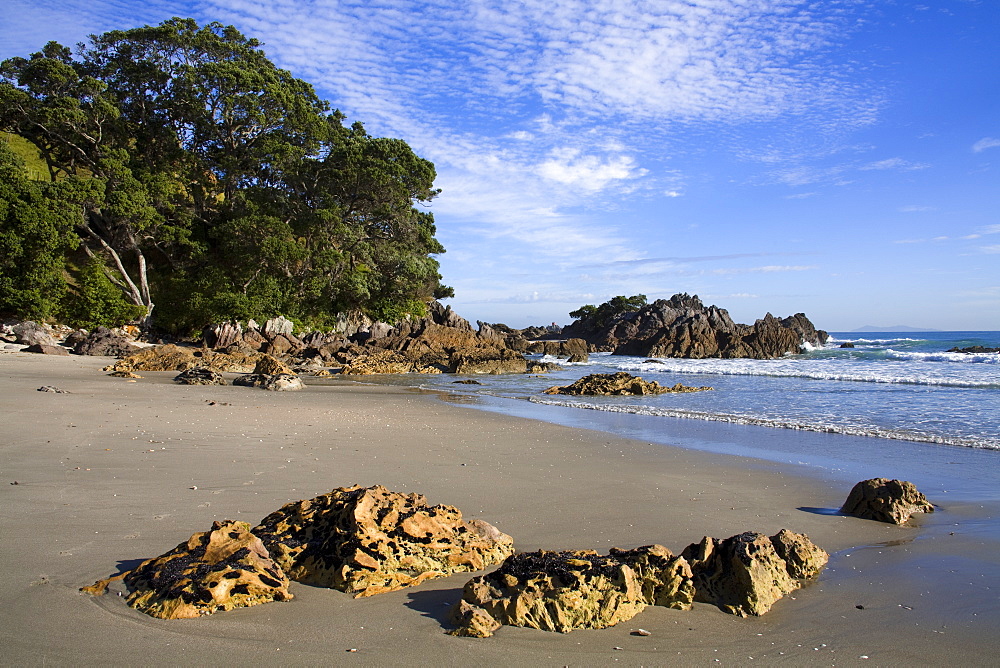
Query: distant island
[{"x": 894, "y": 328}]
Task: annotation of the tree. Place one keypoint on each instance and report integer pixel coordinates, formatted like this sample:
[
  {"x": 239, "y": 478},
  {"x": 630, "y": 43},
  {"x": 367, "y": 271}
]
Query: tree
[
  {"x": 592, "y": 318},
  {"x": 37, "y": 223},
  {"x": 223, "y": 182}
]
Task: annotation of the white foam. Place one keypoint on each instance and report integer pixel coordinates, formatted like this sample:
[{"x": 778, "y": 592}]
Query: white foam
[
  {"x": 873, "y": 432},
  {"x": 826, "y": 369}
]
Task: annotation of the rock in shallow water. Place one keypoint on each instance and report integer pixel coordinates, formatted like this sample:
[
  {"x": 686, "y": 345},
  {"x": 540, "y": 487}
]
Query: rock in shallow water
[
  {"x": 885, "y": 500},
  {"x": 616, "y": 384}
]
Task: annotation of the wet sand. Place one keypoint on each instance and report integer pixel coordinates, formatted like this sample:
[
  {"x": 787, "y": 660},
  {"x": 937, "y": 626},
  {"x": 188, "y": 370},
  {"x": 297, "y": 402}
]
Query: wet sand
[{"x": 115, "y": 472}]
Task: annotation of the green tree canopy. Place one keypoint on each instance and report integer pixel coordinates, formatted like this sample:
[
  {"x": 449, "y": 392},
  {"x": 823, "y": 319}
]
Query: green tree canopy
[
  {"x": 220, "y": 186},
  {"x": 592, "y": 317}
]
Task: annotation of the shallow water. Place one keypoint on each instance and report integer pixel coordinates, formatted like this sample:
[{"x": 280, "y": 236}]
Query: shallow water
[{"x": 894, "y": 405}]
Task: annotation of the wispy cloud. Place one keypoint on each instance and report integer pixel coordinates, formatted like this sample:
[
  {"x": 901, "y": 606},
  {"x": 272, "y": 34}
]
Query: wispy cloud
[
  {"x": 985, "y": 143},
  {"x": 917, "y": 208},
  {"x": 769, "y": 269},
  {"x": 894, "y": 163}
]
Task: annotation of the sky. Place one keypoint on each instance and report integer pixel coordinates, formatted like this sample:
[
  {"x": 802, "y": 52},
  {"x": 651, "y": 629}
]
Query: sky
[{"x": 839, "y": 158}]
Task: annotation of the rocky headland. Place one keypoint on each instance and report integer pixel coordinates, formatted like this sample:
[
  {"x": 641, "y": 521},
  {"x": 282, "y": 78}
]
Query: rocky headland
[
  {"x": 440, "y": 342},
  {"x": 684, "y": 327}
]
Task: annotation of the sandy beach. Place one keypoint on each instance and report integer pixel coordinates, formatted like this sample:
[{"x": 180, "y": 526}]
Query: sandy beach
[{"x": 113, "y": 472}]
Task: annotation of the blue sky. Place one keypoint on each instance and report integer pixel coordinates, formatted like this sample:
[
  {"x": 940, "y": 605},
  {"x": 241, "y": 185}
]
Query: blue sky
[{"x": 835, "y": 157}]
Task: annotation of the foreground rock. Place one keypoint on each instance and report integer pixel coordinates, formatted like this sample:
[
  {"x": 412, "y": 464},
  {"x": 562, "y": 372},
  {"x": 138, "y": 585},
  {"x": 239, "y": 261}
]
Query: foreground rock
[
  {"x": 367, "y": 541},
  {"x": 748, "y": 573},
  {"x": 221, "y": 569},
  {"x": 885, "y": 500},
  {"x": 563, "y": 591},
  {"x": 683, "y": 327},
  {"x": 618, "y": 384}
]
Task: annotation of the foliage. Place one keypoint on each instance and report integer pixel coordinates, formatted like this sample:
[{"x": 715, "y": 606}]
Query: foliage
[
  {"x": 36, "y": 233},
  {"x": 220, "y": 186},
  {"x": 592, "y": 317},
  {"x": 98, "y": 301}
]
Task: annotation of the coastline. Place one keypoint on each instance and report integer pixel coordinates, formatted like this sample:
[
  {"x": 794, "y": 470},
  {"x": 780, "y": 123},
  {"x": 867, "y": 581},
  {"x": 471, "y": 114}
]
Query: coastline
[{"x": 105, "y": 475}]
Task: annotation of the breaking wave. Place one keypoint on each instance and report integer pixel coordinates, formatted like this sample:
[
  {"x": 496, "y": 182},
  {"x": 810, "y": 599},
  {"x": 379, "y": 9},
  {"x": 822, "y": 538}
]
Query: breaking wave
[{"x": 874, "y": 432}]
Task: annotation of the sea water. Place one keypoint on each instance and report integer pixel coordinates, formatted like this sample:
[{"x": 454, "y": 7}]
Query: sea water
[{"x": 897, "y": 399}]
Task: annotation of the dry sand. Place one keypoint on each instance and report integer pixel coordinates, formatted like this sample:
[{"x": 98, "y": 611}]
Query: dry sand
[{"x": 115, "y": 472}]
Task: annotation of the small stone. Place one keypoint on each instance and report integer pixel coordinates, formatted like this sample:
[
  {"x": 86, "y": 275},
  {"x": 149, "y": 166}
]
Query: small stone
[{"x": 641, "y": 632}]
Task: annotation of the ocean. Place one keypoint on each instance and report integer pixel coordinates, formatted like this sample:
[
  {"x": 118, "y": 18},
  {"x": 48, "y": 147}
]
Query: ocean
[{"x": 895, "y": 402}]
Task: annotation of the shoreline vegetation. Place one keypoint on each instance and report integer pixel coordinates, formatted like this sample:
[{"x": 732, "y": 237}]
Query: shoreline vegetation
[{"x": 119, "y": 472}]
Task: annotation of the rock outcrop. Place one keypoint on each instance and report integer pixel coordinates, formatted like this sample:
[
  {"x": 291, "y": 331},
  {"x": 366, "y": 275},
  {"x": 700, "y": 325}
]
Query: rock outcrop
[
  {"x": 563, "y": 591},
  {"x": 885, "y": 500},
  {"x": 367, "y": 541},
  {"x": 102, "y": 341},
  {"x": 683, "y": 327},
  {"x": 618, "y": 384},
  {"x": 493, "y": 361},
  {"x": 30, "y": 333},
  {"x": 171, "y": 357},
  {"x": 221, "y": 569},
  {"x": 748, "y": 573}
]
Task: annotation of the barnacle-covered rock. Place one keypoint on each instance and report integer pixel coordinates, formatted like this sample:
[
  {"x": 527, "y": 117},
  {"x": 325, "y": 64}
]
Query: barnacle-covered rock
[
  {"x": 221, "y": 569},
  {"x": 748, "y": 573},
  {"x": 576, "y": 589},
  {"x": 885, "y": 500},
  {"x": 366, "y": 541}
]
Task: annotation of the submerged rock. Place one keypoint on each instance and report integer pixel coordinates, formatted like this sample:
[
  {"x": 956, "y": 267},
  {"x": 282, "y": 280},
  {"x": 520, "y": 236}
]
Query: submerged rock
[
  {"x": 615, "y": 384},
  {"x": 885, "y": 500},
  {"x": 221, "y": 569},
  {"x": 748, "y": 573},
  {"x": 579, "y": 589},
  {"x": 367, "y": 541}
]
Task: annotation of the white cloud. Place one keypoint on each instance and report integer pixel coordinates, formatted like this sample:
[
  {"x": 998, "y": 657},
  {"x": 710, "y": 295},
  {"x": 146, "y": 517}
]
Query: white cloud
[
  {"x": 894, "y": 163},
  {"x": 990, "y": 250},
  {"x": 916, "y": 208},
  {"x": 770, "y": 269},
  {"x": 985, "y": 143},
  {"x": 587, "y": 172}
]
